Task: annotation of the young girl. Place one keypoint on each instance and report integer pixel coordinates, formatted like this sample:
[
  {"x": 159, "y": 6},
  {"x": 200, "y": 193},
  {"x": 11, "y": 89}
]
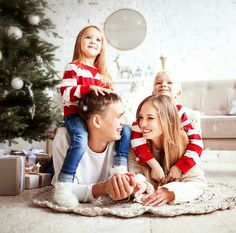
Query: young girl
[
  {"x": 164, "y": 85},
  {"x": 157, "y": 117},
  {"x": 87, "y": 72}
]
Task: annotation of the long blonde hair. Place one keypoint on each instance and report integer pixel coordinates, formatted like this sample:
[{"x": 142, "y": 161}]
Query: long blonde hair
[
  {"x": 100, "y": 61},
  {"x": 174, "y": 138}
]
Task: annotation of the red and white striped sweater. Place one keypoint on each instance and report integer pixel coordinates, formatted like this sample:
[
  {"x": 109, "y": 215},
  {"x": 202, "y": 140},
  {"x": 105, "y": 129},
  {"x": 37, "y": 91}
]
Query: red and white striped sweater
[
  {"x": 193, "y": 151},
  {"x": 76, "y": 82}
]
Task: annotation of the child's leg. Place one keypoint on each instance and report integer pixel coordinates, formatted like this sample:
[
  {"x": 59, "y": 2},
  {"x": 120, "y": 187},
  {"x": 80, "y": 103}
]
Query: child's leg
[
  {"x": 122, "y": 147},
  {"x": 78, "y": 133}
]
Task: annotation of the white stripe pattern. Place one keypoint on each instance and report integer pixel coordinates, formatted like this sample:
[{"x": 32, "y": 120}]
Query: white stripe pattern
[
  {"x": 82, "y": 72},
  {"x": 186, "y": 123},
  {"x": 197, "y": 142},
  {"x": 68, "y": 82},
  {"x": 77, "y": 91},
  {"x": 136, "y": 128},
  {"x": 192, "y": 132},
  {"x": 71, "y": 67},
  {"x": 194, "y": 155},
  {"x": 66, "y": 95},
  {"x": 75, "y": 103},
  {"x": 181, "y": 112},
  {"x": 138, "y": 142}
]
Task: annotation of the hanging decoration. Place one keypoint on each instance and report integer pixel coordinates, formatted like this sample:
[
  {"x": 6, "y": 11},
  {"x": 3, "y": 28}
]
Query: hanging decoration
[
  {"x": 17, "y": 83},
  {"x": 0, "y": 55},
  {"x": 33, "y": 19},
  {"x": 27, "y": 69},
  {"x": 33, "y": 107},
  {"x": 14, "y": 32}
]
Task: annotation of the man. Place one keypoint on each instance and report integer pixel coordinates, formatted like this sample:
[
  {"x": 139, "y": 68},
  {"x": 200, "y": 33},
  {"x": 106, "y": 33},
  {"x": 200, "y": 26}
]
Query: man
[{"x": 104, "y": 116}]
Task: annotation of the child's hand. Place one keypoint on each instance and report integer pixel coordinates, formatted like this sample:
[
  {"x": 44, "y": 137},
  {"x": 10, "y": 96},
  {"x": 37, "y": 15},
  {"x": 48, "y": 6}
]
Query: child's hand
[
  {"x": 100, "y": 90},
  {"x": 174, "y": 174},
  {"x": 158, "y": 174}
]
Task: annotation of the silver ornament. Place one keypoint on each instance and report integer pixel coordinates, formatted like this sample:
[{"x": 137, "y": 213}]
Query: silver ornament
[
  {"x": 17, "y": 83},
  {"x": 15, "y": 32},
  {"x": 33, "y": 19}
]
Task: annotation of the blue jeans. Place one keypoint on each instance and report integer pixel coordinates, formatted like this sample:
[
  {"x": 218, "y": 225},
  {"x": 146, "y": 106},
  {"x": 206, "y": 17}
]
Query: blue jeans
[
  {"x": 122, "y": 147},
  {"x": 78, "y": 133}
]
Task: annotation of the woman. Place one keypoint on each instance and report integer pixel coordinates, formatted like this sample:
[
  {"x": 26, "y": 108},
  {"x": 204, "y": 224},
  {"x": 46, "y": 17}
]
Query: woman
[{"x": 157, "y": 117}]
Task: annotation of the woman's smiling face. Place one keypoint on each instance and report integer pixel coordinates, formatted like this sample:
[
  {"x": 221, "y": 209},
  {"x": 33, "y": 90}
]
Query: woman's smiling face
[{"x": 149, "y": 121}]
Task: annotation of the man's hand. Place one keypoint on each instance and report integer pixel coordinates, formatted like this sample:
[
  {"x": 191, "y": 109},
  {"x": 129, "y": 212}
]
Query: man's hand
[
  {"x": 174, "y": 174},
  {"x": 100, "y": 90},
  {"x": 160, "y": 197},
  {"x": 120, "y": 186}
]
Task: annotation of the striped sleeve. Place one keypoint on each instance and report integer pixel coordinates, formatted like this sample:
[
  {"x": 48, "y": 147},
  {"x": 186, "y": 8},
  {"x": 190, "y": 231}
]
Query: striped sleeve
[
  {"x": 139, "y": 145},
  {"x": 195, "y": 146},
  {"x": 70, "y": 89}
]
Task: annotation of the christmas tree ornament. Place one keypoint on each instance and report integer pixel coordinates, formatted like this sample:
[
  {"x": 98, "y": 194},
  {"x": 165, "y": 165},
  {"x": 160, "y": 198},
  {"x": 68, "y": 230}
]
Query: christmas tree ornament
[
  {"x": 0, "y": 55},
  {"x": 33, "y": 107},
  {"x": 15, "y": 32},
  {"x": 17, "y": 83},
  {"x": 33, "y": 19},
  {"x": 39, "y": 60},
  {"x": 5, "y": 93},
  {"x": 26, "y": 70}
]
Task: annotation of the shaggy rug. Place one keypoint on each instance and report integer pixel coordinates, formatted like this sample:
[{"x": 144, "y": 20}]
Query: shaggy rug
[{"x": 218, "y": 196}]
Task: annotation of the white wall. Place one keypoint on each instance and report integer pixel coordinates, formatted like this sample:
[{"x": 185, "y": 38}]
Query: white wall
[{"x": 197, "y": 37}]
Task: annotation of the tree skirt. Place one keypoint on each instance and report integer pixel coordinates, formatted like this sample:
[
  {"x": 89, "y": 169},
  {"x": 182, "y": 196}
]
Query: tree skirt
[{"x": 218, "y": 196}]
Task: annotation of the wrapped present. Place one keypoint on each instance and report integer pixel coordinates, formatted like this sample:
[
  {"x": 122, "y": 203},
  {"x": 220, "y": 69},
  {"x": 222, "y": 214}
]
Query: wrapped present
[
  {"x": 12, "y": 173},
  {"x": 35, "y": 159},
  {"x": 37, "y": 180},
  {"x": 44, "y": 161}
]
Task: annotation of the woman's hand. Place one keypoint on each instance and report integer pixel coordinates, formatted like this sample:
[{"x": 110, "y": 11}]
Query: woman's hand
[
  {"x": 160, "y": 197},
  {"x": 174, "y": 174},
  {"x": 120, "y": 186},
  {"x": 100, "y": 90}
]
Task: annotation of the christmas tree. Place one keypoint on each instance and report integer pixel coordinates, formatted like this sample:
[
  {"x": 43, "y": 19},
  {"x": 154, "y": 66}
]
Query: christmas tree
[{"x": 27, "y": 72}]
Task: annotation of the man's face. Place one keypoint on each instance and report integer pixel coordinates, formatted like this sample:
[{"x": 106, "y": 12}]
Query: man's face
[{"x": 112, "y": 122}]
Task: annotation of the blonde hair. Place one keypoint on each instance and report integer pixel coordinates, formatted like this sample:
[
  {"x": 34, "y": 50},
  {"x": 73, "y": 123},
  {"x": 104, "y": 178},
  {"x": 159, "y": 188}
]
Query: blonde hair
[
  {"x": 100, "y": 61},
  {"x": 178, "y": 86},
  {"x": 174, "y": 138}
]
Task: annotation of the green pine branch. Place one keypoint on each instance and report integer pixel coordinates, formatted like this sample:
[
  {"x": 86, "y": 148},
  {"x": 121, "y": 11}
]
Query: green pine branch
[{"x": 26, "y": 111}]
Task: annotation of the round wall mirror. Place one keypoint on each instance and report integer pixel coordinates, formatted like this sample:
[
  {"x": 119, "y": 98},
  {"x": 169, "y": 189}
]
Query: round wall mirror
[{"x": 125, "y": 29}]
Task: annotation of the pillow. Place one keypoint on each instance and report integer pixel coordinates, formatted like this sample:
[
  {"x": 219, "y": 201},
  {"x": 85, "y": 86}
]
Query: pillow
[{"x": 232, "y": 110}]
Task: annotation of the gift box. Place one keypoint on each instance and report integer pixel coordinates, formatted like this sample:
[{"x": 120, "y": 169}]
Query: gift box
[
  {"x": 37, "y": 180},
  {"x": 44, "y": 161},
  {"x": 12, "y": 173}
]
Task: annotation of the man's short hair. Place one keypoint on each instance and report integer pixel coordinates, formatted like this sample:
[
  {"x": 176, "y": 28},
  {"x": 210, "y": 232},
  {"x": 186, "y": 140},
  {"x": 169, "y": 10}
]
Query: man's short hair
[{"x": 91, "y": 103}]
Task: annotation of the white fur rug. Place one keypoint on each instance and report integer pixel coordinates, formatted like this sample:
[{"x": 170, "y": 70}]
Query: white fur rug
[{"x": 218, "y": 196}]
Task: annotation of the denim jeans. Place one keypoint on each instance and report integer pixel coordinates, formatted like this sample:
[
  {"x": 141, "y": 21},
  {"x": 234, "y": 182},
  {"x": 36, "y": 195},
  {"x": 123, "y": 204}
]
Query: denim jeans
[
  {"x": 122, "y": 147},
  {"x": 78, "y": 133}
]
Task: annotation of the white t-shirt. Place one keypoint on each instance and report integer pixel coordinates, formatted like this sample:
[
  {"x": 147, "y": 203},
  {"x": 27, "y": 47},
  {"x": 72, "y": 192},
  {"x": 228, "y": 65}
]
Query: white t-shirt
[{"x": 93, "y": 167}]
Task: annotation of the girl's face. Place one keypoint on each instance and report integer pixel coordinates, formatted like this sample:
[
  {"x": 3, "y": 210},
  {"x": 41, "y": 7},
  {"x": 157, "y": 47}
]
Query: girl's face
[
  {"x": 149, "y": 122},
  {"x": 164, "y": 85},
  {"x": 91, "y": 42}
]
